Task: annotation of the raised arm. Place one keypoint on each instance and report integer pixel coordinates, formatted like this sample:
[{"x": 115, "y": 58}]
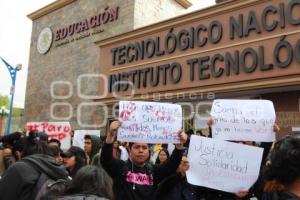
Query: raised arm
[{"x": 111, "y": 165}]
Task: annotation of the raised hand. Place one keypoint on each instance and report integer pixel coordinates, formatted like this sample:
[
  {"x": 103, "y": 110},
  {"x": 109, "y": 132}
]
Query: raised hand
[
  {"x": 276, "y": 128},
  {"x": 113, "y": 129},
  {"x": 241, "y": 194},
  {"x": 210, "y": 122},
  {"x": 183, "y": 138}
]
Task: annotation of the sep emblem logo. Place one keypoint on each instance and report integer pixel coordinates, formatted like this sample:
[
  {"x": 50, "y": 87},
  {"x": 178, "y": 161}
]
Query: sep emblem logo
[{"x": 44, "y": 41}]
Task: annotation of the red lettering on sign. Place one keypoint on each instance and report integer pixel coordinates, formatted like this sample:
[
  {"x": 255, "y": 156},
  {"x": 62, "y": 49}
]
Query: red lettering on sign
[
  {"x": 51, "y": 128},
  {"x": 32, "y": 127},
  {"x": 58, "y": 128},
  {"x": 61, "y": 136},
  {"x": 44, "y": 125},
  {"x": 67, "y": 129}
]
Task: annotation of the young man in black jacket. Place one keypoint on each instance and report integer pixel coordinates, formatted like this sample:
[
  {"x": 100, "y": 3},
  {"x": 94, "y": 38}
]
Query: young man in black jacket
[
  {"x": 136, "y": 179},
  {"x": 20, "y": 179}
]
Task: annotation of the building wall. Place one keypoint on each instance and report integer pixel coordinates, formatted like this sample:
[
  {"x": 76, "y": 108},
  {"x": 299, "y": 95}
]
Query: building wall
[
  {"x": 287, "y": 108},
  {"x": 284, "y": 101},
  {"x": 148, "y": 12},
  {"x": 68, "y": 62}
]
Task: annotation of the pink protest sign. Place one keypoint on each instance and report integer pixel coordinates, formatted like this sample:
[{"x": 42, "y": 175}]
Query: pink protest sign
[
  {"x": 149, "y": 122},
  {"x": 57, "y": 130}
]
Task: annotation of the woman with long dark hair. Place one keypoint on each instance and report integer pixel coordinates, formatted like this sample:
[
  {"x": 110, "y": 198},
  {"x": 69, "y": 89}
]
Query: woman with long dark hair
[
  {"x": 284, "y": 170},
  {"x": 162, "y": 157},
  {"x": 91, "y": 183}
]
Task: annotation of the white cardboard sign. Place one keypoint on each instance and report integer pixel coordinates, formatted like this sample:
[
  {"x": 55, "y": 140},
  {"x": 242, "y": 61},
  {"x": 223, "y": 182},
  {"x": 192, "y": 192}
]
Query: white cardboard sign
[
  {"x": 78, "y": 139},
  {"x": 243, "y": 120},
  {"x": 223, "y": 165},
  {"x": 149, "y": 122},
  {"x": 57, "y": 130}
]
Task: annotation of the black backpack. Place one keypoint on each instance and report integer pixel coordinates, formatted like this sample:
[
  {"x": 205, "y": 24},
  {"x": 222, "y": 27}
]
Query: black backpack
[{"x": 46, "y": 187}]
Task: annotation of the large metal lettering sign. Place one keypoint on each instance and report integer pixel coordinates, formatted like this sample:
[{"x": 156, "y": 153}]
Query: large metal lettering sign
[{"x": 223, "y": 46}]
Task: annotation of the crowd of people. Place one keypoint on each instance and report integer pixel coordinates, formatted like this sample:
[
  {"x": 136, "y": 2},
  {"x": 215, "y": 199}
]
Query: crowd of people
[{"x": 33, "y": 167}]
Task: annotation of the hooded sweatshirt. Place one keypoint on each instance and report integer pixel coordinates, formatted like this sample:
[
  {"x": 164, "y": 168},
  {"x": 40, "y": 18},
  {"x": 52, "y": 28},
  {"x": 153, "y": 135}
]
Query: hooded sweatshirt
[
  {"x": 283, "y": 195},
  {"x": 137, "y": 183},
  {"x": 286, "y": 196},
  {"x": 19, "y": 181},
  {"x": 96, "y": 145},
  {"x": 81, "y": 197}
]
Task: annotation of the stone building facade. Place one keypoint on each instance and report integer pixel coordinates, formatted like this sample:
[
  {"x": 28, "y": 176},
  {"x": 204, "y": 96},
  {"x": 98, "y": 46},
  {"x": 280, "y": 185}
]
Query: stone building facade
[
  {"x": 235, "y": 53},
  {"x": 63, "y": 78}
]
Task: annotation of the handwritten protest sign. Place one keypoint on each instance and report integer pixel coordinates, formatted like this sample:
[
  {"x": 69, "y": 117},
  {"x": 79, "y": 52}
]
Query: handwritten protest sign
[
  {"x": 223, "y": 165},
  {"x": 149, "y": 122},
  {"x": 57, "y": 130},
  {"x": 243, "y": 120},
  {"x": 78, "y": 139}
]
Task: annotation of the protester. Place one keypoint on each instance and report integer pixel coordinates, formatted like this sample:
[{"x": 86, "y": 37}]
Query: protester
[
  {"x": 2, "y": 166},
  {"x": 176, "y": 187},
  {"x": 90, "y": 183},
  {"x": 189, "y": 133},
  {"x": 124, "y": 152},
  {"x": 20, "y": 179},
  {"x": 74, "y": 159},
  {"x": 154, "y": 151},
  {"x": 284, "y": 169},
  {"x": 56, "y": 152},
  {"x": 163, "y": 156},
  {"x": 92, "y": 145},
  {"x": 42, "y": 136},
  {"x": 200, "y": 133},
  {"x": 255, "y": 191},
  {"x": 8, "y": 157},
  {"x": 136, "y": 179},
  {"x": 54, "y": 142},
  {"x": 116, "y": 150},
  {"x": 10, "y": 150},
  {"x": 72, "y": 136}
]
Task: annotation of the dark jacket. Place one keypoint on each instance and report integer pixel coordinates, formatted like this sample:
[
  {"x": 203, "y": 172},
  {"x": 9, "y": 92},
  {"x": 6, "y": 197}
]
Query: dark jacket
[
  {"x": 176, "y": 187},
  {"x": 254, "y": 191},
  {"x": 257, "y": 188},
  {"x": 18, "y": 182},
  {"x": 96, "y": 160},
  {"x": 287, "y": 196},
  {"x": 279, "y": 196},
  {"x": 81, "y": 197},
  {"x": 218, "y": 195},
  {"x": 137, "y": 183}
]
